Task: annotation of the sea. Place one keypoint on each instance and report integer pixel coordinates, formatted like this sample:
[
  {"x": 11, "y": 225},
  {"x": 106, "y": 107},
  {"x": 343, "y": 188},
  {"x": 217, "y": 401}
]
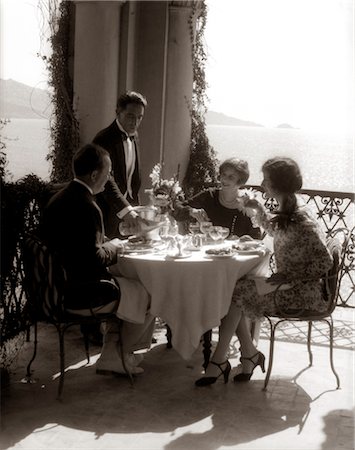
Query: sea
[{"x": 326, "y": 159}]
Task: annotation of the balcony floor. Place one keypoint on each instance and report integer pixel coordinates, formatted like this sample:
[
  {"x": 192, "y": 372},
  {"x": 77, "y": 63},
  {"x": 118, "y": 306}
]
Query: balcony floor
[{"x": 164, "y": 410}]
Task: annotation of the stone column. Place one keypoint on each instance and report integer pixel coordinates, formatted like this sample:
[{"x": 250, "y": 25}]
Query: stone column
[
  {"x": 163, "y": 72},
  {"x": 96, "y": 64},
  {"x": 177, "y": 124}
]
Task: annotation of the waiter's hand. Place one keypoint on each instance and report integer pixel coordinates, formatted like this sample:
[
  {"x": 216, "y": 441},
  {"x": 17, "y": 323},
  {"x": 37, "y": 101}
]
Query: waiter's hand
[{"x": 132, "y": 223}]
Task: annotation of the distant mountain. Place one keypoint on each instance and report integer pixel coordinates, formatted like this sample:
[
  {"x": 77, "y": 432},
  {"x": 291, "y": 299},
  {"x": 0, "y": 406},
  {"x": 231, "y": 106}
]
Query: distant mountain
[
  {"x": 19, "y": 101},
  {"x": 216, "y": 118},
  {"x": 285, "y": 125}
]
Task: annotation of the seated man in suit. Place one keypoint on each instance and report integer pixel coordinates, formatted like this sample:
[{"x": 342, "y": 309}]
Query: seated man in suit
[{"x": 73, "y": 228}]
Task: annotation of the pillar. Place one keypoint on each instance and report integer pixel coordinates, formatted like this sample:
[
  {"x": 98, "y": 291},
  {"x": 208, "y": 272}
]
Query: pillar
[{"x": 96, "y": 64}]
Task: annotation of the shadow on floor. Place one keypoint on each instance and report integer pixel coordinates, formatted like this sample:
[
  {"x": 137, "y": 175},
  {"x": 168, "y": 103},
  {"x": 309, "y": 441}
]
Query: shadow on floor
[{"x": 162, "y": 400}]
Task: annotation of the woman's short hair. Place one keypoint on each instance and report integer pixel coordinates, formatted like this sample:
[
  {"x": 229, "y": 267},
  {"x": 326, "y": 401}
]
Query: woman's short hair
[
  {"x": 239, "y": 165},
  {"x": 88, "y": 158},
  {"x": 130, "y": 97},
  {"x": 284, "y": 173}
]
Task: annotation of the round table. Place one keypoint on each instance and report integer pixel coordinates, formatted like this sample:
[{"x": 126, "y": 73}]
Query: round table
[{"x": 191, "y": 295}]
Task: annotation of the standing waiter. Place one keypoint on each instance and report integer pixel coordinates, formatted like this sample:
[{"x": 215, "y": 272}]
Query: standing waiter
[{"x": 120, "y": 139}]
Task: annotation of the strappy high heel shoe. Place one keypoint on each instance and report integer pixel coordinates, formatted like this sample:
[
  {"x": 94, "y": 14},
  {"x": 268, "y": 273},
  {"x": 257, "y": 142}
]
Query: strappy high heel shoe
[
  {"x": 260, "y": 361},
  {"x": 206, "y": 381}
]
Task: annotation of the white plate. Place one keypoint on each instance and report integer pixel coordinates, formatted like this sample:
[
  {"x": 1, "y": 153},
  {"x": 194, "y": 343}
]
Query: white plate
[
  {"x": 207, "y": 255},
  {"x": 177, "y": 256},
  {"x": 253, "y": 251},
  {"x": 140, "y": 251}
]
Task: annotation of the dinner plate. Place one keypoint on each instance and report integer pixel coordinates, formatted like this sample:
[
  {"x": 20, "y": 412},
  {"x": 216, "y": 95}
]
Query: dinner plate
[
  {"x": 138, "y": 251},
  {"x": 230, "y": 255},
  {"x": 178, "y": 256},
  {"x": 253, "y": 251}
]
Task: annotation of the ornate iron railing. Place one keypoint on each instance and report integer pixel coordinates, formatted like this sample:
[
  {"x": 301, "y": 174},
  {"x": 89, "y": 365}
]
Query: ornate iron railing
[{"x": 333, "y": 210}]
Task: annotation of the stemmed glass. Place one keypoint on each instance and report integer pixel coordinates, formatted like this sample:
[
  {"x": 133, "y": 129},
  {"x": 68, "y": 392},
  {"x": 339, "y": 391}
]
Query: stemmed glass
[
  {"x": 205, "y": 228},
  {"x": 214, "y": 232},
  {"x": 224, "y": 232},
  {"x": 194, "y": 227}
]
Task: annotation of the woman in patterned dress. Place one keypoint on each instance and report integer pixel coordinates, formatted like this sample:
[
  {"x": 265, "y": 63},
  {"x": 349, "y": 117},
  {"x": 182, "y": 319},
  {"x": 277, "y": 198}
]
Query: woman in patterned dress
[{"x": 301, "y": 258}]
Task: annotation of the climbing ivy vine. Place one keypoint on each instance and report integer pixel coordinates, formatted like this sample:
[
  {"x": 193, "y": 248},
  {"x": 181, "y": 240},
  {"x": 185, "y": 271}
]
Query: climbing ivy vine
[{"x": 202, "y": 166}]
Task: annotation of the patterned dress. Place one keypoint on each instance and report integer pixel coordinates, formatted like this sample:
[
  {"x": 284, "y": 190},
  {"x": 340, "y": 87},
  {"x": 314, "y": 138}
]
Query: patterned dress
[{"x": 300, "y": 252}]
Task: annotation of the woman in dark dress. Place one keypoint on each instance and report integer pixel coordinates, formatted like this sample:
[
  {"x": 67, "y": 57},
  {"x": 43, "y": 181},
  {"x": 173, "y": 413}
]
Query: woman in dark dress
[{"x": 225, "y": 206}]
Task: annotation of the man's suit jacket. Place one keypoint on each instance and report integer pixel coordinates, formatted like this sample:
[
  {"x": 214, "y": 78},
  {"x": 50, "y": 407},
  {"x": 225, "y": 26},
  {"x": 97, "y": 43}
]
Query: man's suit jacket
[
  {"x": 111, "y": 200},
  {"x": 73, "y": 227}
]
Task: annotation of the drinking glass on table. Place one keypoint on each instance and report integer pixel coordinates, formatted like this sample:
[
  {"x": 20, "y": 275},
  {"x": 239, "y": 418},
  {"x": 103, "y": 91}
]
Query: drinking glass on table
[
  {"x": 224, "y": 232},
  {"x": 214, "y": 232},
  {"x": 194, "y": 227},
  {"x": 205, "y": 228},
  {"x": 164, "y": 231}
]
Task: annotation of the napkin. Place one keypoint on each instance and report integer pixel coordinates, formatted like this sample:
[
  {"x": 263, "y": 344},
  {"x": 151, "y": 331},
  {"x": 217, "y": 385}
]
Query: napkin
[{"x": 134, "y": 302}]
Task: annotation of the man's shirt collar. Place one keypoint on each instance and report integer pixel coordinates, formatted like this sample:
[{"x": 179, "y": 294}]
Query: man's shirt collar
[{"x": 84, "y": 184}]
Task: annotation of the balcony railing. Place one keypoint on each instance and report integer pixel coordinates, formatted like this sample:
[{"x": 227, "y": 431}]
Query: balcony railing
[{"x": 333, "y": 210}]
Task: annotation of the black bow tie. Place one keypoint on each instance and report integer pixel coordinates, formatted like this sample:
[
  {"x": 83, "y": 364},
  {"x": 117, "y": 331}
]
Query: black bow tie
[{"x": 125, "y": 137}]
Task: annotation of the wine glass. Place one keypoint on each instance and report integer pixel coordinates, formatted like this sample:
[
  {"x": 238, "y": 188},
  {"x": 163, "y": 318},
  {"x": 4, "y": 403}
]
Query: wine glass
[
  {"x": 194, "y": 227},
  {"x": 214, "y": 232},
  {"x": 224, "y": 232},
  {"x": 205, "y": 227}
]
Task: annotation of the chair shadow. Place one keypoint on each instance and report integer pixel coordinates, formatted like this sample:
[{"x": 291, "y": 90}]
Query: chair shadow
[
  {"x": 339, "y": 429},
  {"x": 164, "y": 399}
]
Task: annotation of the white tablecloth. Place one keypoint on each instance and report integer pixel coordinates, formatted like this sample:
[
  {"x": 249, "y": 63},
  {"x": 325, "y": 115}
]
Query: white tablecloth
[{"x": 191, "y": 295}]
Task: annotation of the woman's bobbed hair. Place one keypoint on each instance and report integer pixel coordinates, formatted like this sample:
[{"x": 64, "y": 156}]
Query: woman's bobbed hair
[
  {"x": 239, "y": 166},
  {"x": 284, "y": 173}
]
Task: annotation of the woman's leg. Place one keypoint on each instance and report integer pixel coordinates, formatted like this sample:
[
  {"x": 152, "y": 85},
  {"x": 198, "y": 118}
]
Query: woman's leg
[
  {"x": 227, "y": 329},
  {"x": 247, "y": 346}
]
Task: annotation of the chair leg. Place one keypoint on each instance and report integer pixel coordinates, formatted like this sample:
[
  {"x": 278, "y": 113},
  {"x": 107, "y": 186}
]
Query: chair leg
[
  {"x": 331, "y": 341},
  {"x": 309, "y": 335},
  {"x": 207, "y": 344},
  {"x": 61, "y": 332},
  {"x": 86, "y": 344},
  {"x": 28, "y": 370},
  {"x": 271, "y": 352},
  {"x": 168, "y": 336}
]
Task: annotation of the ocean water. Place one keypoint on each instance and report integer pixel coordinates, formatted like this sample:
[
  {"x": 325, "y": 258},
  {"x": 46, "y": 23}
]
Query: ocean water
[
  {"x": 27, "y": 145},
  {"x": 326, "y": 160}
]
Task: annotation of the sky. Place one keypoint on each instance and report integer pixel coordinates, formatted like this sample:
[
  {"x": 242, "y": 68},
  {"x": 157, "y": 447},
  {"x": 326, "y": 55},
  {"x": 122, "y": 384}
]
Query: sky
[
  {"x": 21, "y": 26},
  {"x": 269, "y": 61},
  {"x": 276, "y": 61}
]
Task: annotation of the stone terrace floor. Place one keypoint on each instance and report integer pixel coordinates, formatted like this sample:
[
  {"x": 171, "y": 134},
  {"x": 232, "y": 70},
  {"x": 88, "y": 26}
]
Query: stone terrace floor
[{"x": 164, "y": 410}]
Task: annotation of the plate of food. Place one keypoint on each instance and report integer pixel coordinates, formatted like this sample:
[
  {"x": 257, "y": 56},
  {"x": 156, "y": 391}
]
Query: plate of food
[
  {"x": 140, "y": 244},
  {"x": 246, "y": 245},
  {"x": 182, "y": 255},
  {"x": 221, "y": 252}
]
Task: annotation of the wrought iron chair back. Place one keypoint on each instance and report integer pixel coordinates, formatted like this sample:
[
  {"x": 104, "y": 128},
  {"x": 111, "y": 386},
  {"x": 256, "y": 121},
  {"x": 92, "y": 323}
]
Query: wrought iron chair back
[
  {"x": 46, "y": 288},
  {"x": 331, "y": 284}
]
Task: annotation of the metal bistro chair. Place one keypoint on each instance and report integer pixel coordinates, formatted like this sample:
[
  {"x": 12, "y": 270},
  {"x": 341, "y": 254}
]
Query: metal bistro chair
[
  {"x": 331, "y": 284},
  {"x": 46, "y": 289}
]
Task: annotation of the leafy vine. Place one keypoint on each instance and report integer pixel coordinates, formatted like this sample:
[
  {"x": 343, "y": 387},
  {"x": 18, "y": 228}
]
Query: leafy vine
[
  {"x": 64, "y": 124},
  {"x": 202, "y": 166}
]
